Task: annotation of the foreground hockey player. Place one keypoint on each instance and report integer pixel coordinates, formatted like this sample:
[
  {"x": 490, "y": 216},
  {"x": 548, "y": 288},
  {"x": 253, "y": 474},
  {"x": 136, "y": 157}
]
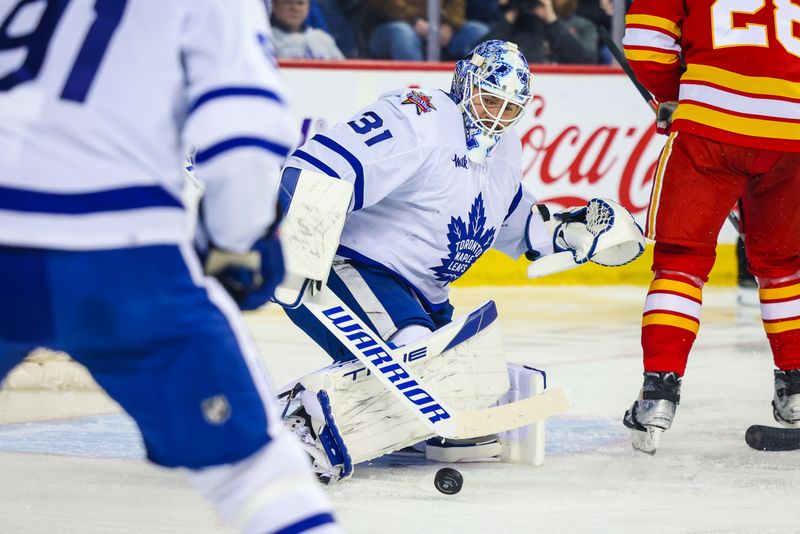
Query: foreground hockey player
[
  {"x": 436, "y": 182},
  {"x": 732, "y": 70},
  {"x": 98, "y": 104}
]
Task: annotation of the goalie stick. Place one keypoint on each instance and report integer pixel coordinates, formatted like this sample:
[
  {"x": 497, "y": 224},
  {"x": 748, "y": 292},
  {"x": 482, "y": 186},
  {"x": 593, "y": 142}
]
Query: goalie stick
[
  {"x": 388, "y": 366},
  {"x": 770, "y": 438}
]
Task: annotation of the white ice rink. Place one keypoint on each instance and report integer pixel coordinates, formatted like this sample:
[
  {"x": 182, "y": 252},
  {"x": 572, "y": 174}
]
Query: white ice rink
[{"x": 70, "y": 463}]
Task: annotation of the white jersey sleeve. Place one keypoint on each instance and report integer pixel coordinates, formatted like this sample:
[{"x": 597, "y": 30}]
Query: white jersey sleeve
[
  {"x": 99, "y": 101},
  {"x": 238, "y": 121},
  {"x": 378, "y": 151}
]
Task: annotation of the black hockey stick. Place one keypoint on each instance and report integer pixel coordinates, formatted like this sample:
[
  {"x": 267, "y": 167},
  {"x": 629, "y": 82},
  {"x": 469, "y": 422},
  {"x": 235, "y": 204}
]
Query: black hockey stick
[
  {"x": 622, "y": 62},
  {"x": 770, "y": 438},
  {"x": 607, "y": 40}
]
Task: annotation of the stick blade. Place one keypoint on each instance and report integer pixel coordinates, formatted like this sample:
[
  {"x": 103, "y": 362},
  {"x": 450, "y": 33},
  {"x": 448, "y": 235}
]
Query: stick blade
[
  {"x": 477, "y": 423},
  {"x": 769, "y": 438},
  {"x": 551, "y": 264}
]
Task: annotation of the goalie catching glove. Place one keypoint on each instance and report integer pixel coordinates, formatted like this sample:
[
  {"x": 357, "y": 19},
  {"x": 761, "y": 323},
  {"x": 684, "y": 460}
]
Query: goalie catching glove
[{"x": 602, "y": 232}]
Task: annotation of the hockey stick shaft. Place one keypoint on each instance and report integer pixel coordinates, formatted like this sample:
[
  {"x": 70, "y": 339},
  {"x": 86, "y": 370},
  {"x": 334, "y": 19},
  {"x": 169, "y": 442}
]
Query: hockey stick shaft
[{"x": 387, "y": 365}]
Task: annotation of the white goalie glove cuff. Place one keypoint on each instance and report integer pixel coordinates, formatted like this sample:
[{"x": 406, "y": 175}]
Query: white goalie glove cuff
[{"x": 539, "y": 232}]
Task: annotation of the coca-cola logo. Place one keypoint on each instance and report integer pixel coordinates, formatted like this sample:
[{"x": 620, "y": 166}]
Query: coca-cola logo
[{"x": 582, "y": 162}]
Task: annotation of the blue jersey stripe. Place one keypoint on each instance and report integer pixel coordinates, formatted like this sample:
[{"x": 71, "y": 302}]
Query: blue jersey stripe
[
  {"x": 126, "y": 198},
  {"x": 234, "y": 91},
  {"x": 305, "y": 156},
  {"x": 514, "y": 203},
  {"x": 307, "y": 524},
  {"x": 204, "y": 156},
  {"x": 358, "y": 185}
]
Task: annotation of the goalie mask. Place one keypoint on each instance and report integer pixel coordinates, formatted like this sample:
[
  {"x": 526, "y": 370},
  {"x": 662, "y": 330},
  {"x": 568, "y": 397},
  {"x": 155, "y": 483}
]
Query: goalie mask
[{"x": 492, "y": 88}]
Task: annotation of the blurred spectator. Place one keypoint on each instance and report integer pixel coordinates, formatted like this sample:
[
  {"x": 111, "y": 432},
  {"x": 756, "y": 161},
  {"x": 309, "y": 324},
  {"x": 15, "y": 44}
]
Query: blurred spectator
[
  {"x": 316, "y": 18},
  {"x": 398, "y": 28},
  {"x": 294, "y": 39},
  {"x": 487, "y": 11},
  {"x": 344, "y": 24},
  {"x": 599, "y": 12},
  {"x": 547, "y": 31}
]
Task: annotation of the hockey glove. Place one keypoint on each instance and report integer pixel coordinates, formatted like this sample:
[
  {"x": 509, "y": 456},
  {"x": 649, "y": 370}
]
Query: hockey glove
[
  {"x": 603, "y": 232},
  {"x": 249, "y": 278},
  {"x": 664, "y": 116}
]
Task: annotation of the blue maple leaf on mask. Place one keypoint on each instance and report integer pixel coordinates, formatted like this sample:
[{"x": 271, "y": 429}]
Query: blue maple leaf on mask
[{"x": 466, "y": 243}]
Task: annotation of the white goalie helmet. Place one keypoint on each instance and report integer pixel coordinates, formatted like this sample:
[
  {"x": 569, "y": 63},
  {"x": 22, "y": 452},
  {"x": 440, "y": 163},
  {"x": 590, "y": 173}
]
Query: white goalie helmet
[{"x": 492, "y": 88}]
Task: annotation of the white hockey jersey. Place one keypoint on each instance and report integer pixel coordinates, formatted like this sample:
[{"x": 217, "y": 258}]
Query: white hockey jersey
[
  {"x": 420, "y": 208},
  {"x": 99, "y": 103}
]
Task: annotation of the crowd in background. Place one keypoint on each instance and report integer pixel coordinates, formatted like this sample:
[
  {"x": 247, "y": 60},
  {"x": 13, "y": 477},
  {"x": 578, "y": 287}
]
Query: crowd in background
[{"x": 547, "y": 31}]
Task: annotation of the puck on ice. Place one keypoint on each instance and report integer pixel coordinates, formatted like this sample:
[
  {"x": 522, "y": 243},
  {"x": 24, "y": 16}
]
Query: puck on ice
[{"x": 448, "y": 481}]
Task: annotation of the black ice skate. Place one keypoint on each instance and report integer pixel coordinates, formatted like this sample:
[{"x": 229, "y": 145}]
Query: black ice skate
[
  {"x": 786, "y": 402},
  {"x": 652, "y": 413}
]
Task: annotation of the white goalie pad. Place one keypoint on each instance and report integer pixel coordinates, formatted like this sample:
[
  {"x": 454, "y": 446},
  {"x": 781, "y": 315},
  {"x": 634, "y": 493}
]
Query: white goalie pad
[
  {"x": 317, "y": 208},
  {"x": 609, "y": 237},
  {"x": 463, "y": 363}
]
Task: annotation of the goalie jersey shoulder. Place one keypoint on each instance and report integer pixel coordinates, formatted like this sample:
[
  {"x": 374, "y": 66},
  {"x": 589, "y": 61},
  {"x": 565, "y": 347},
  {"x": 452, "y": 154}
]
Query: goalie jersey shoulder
[{"x": 430, "y": 115}]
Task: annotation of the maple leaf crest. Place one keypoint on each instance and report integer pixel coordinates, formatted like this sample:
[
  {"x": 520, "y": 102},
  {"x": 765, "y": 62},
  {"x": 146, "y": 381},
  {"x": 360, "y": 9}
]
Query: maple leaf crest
[{"x": 466, "y": 243}]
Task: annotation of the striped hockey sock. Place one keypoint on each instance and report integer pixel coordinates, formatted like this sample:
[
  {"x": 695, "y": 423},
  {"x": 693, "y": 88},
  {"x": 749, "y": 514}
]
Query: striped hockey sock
[{"x": 670, "y": 322}]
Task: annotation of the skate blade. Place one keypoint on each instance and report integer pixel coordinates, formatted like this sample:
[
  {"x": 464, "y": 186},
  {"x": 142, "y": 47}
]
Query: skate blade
[{"x": 646, "y": 441}]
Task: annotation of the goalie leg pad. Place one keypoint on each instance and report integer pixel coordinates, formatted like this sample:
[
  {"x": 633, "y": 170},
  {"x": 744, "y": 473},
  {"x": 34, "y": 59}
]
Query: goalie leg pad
[{"x": 372, "y": 421}]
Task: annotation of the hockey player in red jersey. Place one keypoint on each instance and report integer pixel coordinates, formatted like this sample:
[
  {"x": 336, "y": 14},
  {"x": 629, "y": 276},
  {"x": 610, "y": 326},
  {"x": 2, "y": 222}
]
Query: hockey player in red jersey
[{"x": 730, "y": 70}]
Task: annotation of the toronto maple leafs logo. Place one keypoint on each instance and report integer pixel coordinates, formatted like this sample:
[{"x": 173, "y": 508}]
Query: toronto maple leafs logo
[{"x": 466, "y": 243}]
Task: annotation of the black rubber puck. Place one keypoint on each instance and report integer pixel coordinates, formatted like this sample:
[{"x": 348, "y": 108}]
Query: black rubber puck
[{"x": 448, "y": 481}]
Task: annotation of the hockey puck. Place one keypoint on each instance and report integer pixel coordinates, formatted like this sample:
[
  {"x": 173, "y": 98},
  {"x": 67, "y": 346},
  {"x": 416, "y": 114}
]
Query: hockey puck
[{"x": 448, "y": 481}]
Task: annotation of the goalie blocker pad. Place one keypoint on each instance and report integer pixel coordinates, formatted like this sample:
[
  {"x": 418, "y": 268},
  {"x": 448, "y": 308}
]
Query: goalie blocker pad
[{"x": 316, "y": 207}]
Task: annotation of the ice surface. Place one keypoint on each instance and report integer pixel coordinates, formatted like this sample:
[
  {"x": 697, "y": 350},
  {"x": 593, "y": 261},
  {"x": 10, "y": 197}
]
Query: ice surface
[{"x": 70, "y": 462}]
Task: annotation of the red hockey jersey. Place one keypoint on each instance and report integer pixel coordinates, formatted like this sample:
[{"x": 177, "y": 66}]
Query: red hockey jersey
[{"x": 740, "y": 78}]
